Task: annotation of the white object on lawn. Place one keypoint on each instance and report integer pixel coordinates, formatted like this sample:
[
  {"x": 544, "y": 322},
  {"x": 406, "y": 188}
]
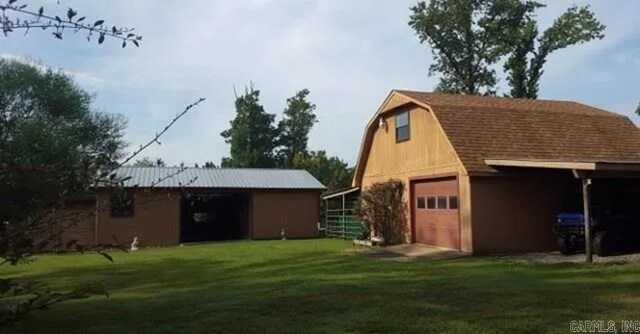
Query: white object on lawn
[
  {"x": 134, "y": 244},
  {"x": 377, "y": 240}
]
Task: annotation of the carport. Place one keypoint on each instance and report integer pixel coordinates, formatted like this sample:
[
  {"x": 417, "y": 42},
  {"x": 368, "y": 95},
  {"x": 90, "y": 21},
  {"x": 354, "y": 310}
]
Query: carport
[{"x": 615, "y": 184}]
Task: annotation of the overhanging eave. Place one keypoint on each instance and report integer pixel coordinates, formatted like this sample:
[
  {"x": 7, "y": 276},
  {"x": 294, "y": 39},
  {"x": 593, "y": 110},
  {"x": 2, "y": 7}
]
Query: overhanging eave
[{"x": 594, "y": 165}]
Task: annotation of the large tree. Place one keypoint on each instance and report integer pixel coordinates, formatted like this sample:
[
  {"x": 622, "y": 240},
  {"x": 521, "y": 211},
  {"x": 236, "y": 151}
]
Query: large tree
[
  {"x": 53, "y": 143},
  {"x": 468, "y": 37},
  {"x": 528, "y": 50},
  {"x": 463, "y": 43},
  {"x": 252, "y": 135},
  {"x": 54, "y": 149},
  {"x": 331, "y": 171},
  {"x": 298, "y": 119}
]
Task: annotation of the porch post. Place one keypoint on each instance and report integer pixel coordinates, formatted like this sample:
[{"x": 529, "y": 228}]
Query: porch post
[
  {"x": 326, "y": 217},
  {"x": 586, "y": 182},
  {"x": 344, "y": 230}
]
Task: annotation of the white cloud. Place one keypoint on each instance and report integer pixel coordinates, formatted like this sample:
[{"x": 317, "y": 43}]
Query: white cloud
[{"x": 348, "y": 53}]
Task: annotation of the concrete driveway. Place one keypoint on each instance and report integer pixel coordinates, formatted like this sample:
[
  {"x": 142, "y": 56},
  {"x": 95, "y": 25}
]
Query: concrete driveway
[{"x": 413, "y": 251}]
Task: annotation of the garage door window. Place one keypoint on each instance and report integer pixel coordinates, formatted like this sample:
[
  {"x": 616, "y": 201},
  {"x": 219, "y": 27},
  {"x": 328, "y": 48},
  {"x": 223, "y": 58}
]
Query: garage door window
[
  {"x": 438, "y": 202},
  {"x": 431, "y": 203},
  {"x": 453, "y": 202}
]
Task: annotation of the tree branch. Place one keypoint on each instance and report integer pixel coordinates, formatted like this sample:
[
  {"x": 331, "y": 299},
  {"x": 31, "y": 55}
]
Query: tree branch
[
  {"x": 60, "y": 24},
  {"x": 158, "y": 135}
]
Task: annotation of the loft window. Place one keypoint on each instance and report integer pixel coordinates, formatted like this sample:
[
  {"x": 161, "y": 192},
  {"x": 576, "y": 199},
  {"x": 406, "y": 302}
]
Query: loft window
[
  {"x": 421, "y": 203},
  {"x": 442, "y": 202},
  {"x": 402, "y": 126},
  {"x": 122, "y": 205}
]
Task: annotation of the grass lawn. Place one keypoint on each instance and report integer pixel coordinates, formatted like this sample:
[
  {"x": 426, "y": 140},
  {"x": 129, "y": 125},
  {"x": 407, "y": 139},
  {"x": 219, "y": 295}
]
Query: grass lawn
[{"x": 324, "y": 286}]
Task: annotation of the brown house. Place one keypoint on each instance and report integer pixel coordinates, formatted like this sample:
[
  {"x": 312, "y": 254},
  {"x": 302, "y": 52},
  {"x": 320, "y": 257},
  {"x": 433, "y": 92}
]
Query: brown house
[
  {"x": 490, "y": 174},
  {"x": 164, "y": 206}
]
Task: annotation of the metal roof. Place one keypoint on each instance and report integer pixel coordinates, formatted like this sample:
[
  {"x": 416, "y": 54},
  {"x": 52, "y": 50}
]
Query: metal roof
[
  {"x": 340, "y": 192},
  {"x": 247, "y": 178}
]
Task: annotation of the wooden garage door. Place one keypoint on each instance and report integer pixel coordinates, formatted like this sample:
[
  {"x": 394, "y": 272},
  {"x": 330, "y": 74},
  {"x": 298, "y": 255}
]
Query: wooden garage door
[{"x": 436, "y": 216}]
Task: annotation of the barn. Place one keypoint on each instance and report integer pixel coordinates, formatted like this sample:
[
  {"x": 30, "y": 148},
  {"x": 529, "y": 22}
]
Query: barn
[
  {"x": 490, "y": 174},
  {"x": 164, "y": 206}
]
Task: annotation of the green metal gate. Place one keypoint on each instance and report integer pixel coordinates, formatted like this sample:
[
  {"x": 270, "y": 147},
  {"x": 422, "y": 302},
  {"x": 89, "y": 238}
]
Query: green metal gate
[
  {"x": 342, "y": 224},
  {"x": 339, "y": 214}
]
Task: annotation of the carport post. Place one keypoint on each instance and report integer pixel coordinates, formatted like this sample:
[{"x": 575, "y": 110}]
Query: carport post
[
  {"x": 586, "y": 203},
  {"x": 586, "y": 182}
]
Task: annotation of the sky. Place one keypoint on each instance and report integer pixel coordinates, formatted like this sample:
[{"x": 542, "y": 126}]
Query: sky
[{"x": 349, "y": 54}]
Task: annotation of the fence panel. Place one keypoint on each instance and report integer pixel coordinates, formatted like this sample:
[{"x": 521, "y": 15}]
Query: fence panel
[{"x": 343, "y": 224}]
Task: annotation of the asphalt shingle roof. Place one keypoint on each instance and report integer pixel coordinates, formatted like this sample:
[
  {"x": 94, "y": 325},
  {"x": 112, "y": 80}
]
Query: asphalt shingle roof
[
  {"x": 481, "y": 127},
  {"x": 222, "y": 178}
]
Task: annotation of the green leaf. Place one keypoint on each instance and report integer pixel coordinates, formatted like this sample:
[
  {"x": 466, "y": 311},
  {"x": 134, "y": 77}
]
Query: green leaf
[
  {"x": 71, "y": 13},
  {"x": 97, "y": 23},
  {"x": 106, "y": 256},
  {"x": 40, "y": 11},
  {"x": 101, "y": 39}
]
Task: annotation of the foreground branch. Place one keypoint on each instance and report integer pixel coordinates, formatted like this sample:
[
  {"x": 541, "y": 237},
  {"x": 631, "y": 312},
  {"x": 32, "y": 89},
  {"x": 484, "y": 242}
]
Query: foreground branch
[{"x": 24, "y": 19}]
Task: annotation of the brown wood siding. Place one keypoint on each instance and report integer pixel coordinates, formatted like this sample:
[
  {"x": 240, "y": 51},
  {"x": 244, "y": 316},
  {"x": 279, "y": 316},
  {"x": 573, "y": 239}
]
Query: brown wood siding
[
  {"x": 427, "y": 153},
  {"x": 295, "y": 211},
  {"x": 436, "y": 226},
  {"x": 77, "y": 222},
  {"x": 516, "y": 214},
  {"x": 156, "y": 221}
]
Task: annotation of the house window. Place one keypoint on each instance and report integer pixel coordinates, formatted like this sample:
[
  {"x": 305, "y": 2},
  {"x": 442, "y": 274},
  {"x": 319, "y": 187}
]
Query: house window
[
  {"x": 453, "y": 202},
  {"x": 421, "y": 203},
  {"x": 122, "y": 205},
  {"x": 431, "y": 203},
  {"x": 402, "y": 126},
  {"x": 442, "y": 202}
]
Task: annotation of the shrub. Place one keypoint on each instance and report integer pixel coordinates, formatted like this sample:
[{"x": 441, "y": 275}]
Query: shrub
[{"x": 382, "y": 210}]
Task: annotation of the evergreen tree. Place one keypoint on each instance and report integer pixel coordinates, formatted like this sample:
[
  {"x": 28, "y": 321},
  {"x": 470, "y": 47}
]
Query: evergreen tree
[
  {"x": 295, "y": 126},
  {"x": 331, "y": 171},
  {"x": 252, "y": 135}
]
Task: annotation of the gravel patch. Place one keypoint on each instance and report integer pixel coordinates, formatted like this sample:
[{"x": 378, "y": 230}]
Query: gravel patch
[{"x": 556, "y": 257}]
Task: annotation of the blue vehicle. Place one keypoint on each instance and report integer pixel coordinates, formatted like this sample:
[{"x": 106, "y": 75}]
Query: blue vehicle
[{"x": 610, "y": 233}]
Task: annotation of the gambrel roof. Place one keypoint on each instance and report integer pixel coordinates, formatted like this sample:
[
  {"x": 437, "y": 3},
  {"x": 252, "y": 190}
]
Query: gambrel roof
[{"x": 486, "y": 127}]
